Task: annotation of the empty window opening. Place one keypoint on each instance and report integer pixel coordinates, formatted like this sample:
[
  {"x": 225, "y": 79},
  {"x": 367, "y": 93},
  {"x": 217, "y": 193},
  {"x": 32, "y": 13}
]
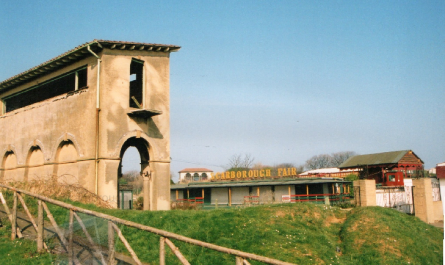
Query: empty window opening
[
  {"x": 136, "y": 84},
  {"x": 71, "y": 81}
]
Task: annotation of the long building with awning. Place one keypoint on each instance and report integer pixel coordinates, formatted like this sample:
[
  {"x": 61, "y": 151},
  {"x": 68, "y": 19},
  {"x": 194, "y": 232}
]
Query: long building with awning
[{"x": 238, "y": 192}]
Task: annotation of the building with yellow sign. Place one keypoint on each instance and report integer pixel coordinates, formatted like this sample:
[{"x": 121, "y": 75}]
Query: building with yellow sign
[{"x": 256, "y": 186}]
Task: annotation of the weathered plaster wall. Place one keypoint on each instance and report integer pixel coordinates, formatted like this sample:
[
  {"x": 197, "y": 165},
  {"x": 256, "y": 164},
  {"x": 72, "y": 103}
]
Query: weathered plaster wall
[
  {"x": 34, "y": 134},
  {"x": 116, "y": 126}
]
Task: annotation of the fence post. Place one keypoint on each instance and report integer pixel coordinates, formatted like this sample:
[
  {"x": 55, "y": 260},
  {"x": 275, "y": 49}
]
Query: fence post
[
  {"x": 110, "y": 243},
  {"x": 162, "y": 251},
  {"x": 70, "y": 238},
  {"x": 40, "y": 227},
  {"x": 14, "y": 218}
]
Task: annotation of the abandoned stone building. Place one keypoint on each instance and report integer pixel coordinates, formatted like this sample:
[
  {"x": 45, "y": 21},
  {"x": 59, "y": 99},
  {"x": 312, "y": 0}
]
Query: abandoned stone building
[{"x": 74, "y": 116}]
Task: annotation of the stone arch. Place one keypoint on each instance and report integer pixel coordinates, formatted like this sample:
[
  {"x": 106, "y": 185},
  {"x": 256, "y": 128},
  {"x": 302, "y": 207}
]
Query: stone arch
[
  {"x": 8, "y": 149},
  {"x": 65, "y": 138},
  {"x": 143, "y": 148},
  {"x": 37, "y": 143},
  {"x": 134, "y": 134},
  {"x": 66, "y": 168},
  {"x": 35, "y": 161}
]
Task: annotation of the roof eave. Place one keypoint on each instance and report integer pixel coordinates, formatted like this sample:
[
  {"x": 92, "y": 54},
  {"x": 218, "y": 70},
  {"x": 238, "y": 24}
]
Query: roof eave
[{"x": 77, "y": 54}]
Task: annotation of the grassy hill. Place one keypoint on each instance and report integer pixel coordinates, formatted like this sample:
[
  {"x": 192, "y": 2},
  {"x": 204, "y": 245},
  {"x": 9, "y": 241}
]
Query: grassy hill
[{"x": 299, "y": 233}]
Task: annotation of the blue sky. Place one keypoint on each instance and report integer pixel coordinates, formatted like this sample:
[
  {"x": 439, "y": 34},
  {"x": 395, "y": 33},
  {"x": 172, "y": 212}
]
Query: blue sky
[{"x": 280, "y": 80}]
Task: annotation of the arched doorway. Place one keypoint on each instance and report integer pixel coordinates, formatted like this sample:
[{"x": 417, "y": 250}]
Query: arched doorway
[{"x": 134, "y": 151}]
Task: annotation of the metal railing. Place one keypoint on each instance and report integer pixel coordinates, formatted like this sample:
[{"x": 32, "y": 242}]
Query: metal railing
[{"x": 165, "y": 236}]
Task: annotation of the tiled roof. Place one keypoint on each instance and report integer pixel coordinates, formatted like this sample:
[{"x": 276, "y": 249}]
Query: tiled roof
[
  {"x": 79, "y": 53},
  {"x": 374, "y": 159},
  {"x": 195, "y": 170}
]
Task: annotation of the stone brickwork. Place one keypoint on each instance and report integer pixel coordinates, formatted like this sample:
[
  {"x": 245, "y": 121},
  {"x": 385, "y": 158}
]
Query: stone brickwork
[
  {"x": 423, "y": 200},
  {"x": 365, "y": 192}
]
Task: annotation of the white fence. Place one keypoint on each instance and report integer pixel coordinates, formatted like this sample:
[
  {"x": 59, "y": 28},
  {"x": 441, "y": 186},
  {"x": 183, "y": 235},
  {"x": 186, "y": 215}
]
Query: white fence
[
  {"x": 400, "y": 198},
  {"x": 436, "y": 189}
]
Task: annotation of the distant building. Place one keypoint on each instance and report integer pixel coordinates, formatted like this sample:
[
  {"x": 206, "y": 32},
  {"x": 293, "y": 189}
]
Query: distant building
[
  {"x": 388, "y": 168},
  {"x": 331, "y": 172},
  {"x": 440, "y": 170},
  {"x": 256, "y": 185},
  {"x": 195, "y": 174}
]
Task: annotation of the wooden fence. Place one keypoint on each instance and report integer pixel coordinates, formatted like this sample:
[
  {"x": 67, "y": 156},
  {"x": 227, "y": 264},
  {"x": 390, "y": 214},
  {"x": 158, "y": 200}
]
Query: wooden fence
[{"x": 240, "y": 256}]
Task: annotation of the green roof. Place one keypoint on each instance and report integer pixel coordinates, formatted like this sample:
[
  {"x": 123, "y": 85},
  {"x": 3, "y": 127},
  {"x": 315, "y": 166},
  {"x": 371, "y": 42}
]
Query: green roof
[{"x": 374, "y": 159}]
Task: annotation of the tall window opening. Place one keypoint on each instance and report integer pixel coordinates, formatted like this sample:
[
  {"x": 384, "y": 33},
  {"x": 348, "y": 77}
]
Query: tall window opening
[
  {"x": 68, "y": 82},
  {"x": 136, "y": 84}
]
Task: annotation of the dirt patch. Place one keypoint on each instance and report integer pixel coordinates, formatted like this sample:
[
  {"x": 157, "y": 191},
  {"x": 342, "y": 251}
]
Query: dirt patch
[
  {"x": 54, "y": 189},
  {"x": 334, "y": 220},
  {"x": 363, "y": 222},
  {"x": 280, "y": 213}
]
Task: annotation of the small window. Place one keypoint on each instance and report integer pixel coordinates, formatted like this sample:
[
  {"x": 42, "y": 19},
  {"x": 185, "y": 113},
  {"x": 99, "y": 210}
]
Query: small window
[
  {"x": 188, "y": 176},
  {"x": 204, "y": 176},
  {"x": 196, "y": 177},
  {"x": 136, "y": 84},
  {"x": 392, "y": 178}
]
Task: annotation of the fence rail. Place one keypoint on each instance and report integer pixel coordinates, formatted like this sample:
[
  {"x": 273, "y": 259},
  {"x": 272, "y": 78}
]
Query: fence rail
[
  {"x": 319, "y": 198},
  {"x": 165, "y": 236}
]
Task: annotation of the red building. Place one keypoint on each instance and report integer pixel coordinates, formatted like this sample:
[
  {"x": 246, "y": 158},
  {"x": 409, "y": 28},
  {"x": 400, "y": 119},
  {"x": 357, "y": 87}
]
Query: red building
[
  {"x": 440, "y": 170},
  {"x": 389, "y": 168}
]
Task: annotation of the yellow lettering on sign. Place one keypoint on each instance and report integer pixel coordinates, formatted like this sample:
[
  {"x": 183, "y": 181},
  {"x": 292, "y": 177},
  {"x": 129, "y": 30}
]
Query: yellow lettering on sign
[
  {"x": 232, "y": 174},
  {"x": 238, "y": 174},
  {"x": 250, "y": 173},
  {"x": 294, "y": 171},
  {"x": 267, "y": 172},
  {"x": 279, "y": 172},
  {"x": 284, "y": 172},
  {"x": 255, "y": 173},
  {"x": 262, "y": 173},
  {"x": 227, "y": 175},
  {"x": 244, "y": 174}
]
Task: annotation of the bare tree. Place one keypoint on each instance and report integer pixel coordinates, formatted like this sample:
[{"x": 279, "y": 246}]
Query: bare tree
[
  {"x": 239, "y": 162},
  {"x": 340, "y": 157},
  {"x": 325, "y": 160},
  {"x": 318, "y": 161},
  {"x": 247, "y": 161},
  {"x": 135, "y": 179}
]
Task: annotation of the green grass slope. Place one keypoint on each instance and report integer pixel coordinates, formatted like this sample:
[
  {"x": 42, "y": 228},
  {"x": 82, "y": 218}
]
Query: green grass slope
[
  {"x": 298, "y": 233},
  {"x": 375, "y": 235}
]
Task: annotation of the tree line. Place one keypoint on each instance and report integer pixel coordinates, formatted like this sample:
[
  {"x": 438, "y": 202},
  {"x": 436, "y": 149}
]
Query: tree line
[{"x": 240, "y": 162}]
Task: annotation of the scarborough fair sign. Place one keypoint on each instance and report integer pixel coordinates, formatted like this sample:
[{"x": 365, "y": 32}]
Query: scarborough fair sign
[{"x": 254, "y": 173}]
